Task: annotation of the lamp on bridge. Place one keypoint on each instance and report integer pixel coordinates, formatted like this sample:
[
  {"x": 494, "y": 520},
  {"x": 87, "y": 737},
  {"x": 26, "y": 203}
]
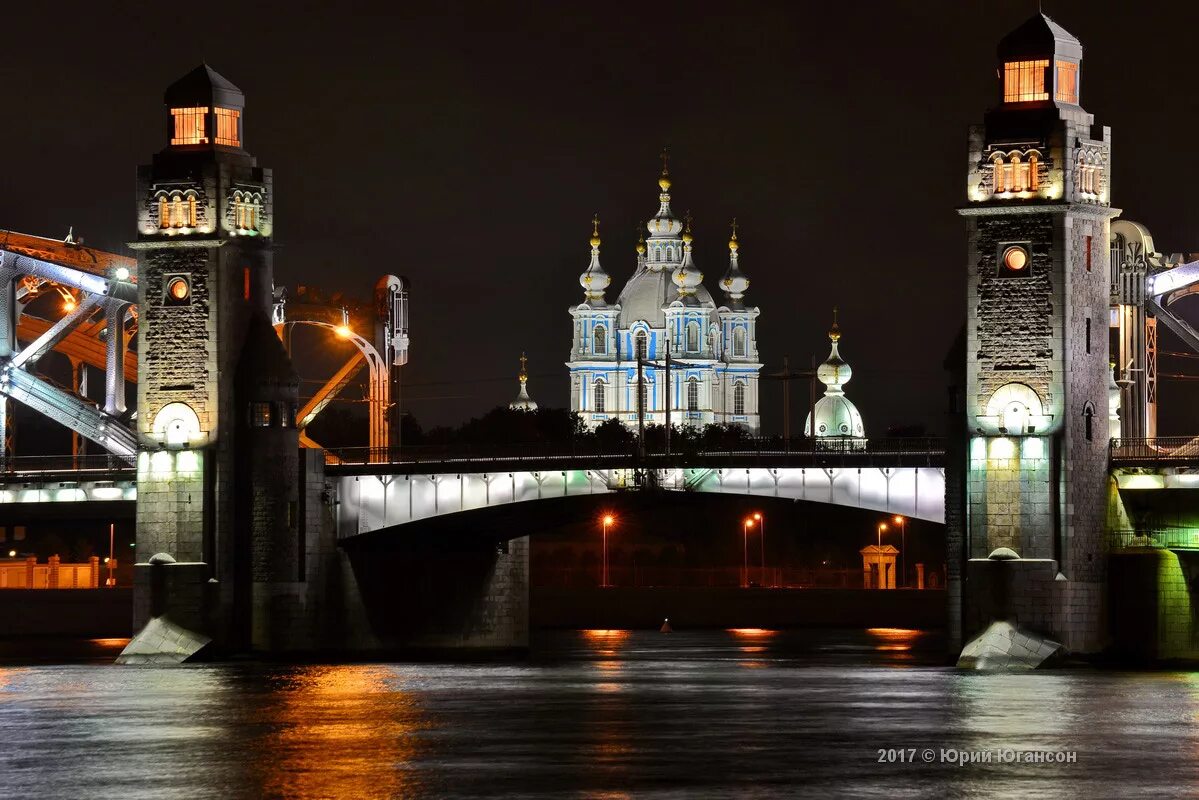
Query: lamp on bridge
[
  {"x": 746, "y": 524},
  {"x": 606, "y": 522},
  {"x": 903, "y": 547},
  {"x": 882, "y": 581},
  {"x": 761, "y": 520}
]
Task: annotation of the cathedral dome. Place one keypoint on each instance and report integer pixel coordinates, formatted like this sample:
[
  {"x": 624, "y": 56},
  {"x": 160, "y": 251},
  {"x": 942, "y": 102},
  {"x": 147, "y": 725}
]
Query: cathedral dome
[
  {"x": 836, "y": 415},
  {"x": 523, "y": 402}
]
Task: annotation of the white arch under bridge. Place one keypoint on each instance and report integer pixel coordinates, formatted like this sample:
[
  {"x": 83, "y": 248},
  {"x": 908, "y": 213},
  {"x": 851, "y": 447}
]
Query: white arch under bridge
[{"x": 369, "y": 500}]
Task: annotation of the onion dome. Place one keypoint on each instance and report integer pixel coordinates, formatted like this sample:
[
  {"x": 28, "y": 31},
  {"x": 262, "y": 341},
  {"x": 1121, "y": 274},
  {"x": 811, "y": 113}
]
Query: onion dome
[
  {"x": 734, "y": 281},
  {"x": 523, "y": 402},
  {"x": 835, "y": 415},
  {"x": 664, "y": 224},
  {"x": 687, "y": 276},
  {"x": 594, "y": 280}
]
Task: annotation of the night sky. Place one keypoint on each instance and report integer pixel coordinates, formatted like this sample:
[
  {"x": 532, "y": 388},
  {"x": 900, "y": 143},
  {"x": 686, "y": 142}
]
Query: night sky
[{"x": 467, "y": 146}]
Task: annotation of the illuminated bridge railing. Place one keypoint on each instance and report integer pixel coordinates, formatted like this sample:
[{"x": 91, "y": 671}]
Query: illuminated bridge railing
[
  {"x": 1177, "y": 451},
  {"x": 898, "y": 452},
  {"x": 1162, "y": 538},
  {"x": 16, "y": 467}
]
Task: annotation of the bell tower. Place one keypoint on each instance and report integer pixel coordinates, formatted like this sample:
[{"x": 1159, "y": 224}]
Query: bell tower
[
  {"x": 1037, "y": 219},
  {"x": 216, "y": 393}
]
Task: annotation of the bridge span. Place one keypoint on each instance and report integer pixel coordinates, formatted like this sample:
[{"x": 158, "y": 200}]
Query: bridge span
[{"x": 890, "y": 476}]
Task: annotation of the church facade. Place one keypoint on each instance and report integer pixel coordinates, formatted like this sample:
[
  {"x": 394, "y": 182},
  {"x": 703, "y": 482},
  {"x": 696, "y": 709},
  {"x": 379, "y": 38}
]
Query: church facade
[{"x": 618, "y": 359}]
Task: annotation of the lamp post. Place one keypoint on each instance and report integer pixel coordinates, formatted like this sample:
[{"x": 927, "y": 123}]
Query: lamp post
[
  {"x": 878, "y": 556},
  {"x": 607, "y": 523},
  {"x": 111, "y": 582},
  {"x": 903, "y": 549},
  {"x": 746, "y": 524},
  {"x": 761, "y": 520}
]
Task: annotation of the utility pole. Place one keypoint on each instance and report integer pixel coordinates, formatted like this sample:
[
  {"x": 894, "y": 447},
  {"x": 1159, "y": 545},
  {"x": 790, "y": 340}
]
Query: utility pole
[
  {"x": 667, "y": 395},
  {"x": 786, "y": 376},
  {"x": 641, "y": 405}
]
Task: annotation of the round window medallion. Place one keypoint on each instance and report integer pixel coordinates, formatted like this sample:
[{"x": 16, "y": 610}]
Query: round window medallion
[
  {"x": 1015, "y": 258},
  {"x": 178, "y": 289}
]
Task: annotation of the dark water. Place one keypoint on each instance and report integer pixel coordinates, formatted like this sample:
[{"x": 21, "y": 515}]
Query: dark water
[{"x": 596, "y": 714}]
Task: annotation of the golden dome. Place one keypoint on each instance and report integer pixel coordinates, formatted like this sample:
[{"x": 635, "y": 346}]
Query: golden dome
[
  {"x": 641, "y": 242},
  {"x": 595, "y": 237},
  {"x": 687, "y": 237},
  {"x": 733, "y": 245}
]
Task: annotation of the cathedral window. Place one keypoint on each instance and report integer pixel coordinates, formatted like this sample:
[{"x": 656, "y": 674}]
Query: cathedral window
[
  {"x": 692, "y": 394},
  {"x": 641, "y": 346},
  {"x": 693, "y": 337},
  {"x": 177, "y": 219},
  {"x": 164, "y": 212},
  {"x": 739, "y": 398},
  {"x": 1024, "y": 81},
  {"x": 1067, "y": 82},
  {"x": 226, "y": 127},
  {"x": 739, "y": 343},
  {"x": 599, "y": 340},
  {"x": 189, "y": 125},
  {"x": 601, "y": 395}
]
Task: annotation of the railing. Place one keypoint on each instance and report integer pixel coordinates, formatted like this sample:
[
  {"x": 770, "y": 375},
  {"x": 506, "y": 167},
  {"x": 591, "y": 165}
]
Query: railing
[
  {"x": 1164, "y": 538},
  {"x": 913, "y": 451},
  {"x": 715, "y": 577},
  {"x": 28, "y": 574},
  {"x": 35, "y": 465},
  {"x": 1159, "y": 450}
]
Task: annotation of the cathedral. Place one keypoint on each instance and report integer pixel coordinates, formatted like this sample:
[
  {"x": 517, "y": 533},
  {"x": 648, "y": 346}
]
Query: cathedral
[{"x": 665, "y": 315}]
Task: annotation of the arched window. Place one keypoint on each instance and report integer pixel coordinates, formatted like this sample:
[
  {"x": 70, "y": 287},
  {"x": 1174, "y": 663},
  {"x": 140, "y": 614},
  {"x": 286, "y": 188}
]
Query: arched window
[
  {"x": 739, "y": 398},
  {"x": 692, "y": 337},
  {"x": 1088, "y": 419},
  {"x": 1018, "y": 172},
  {"x": 739, "y": 342},
  {"x": 669, "y": 253},
  {"x": 191, "y": 211},
  {"x": 641, "y": 345},
  {"x": 601, "y": 395},
  {"x": 177, "y": 218},
  {"x": 998, "y": 175},
  {"x": 255, "y": 208},
  {"x": 1034, "y": 180},
  {"x": 692, "y": 394},
  {"x": 164, "y": 212},
  {"x": 599, "y": 340}
]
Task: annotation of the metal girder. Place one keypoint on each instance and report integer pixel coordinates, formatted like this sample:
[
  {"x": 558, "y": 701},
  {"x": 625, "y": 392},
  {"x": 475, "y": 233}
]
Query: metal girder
[
  {"x": 68, "y": 410},
  {"x": 1175, "y": 323},
  {"x": 331, "y": 389},
  {"x": 56, "y": 332},
  {"x": 81, "y": 343}
]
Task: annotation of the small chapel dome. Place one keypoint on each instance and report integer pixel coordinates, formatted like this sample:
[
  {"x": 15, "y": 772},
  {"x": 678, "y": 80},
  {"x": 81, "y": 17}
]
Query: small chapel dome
[
  {"x": 523, "y": 402},
  {"x": 835, "y": 414}
]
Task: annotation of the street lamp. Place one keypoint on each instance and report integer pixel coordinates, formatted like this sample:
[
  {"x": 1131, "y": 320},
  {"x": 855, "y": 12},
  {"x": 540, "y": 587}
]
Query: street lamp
[
  {"x": 745, "y": 526},
  {"x": 111, "y": 582},
  {"x": 607, "y": 523},
  {"x": 878, "y": 557},
  {"x": 761, "y": 520},
  {"x": 903, "y": 549}
]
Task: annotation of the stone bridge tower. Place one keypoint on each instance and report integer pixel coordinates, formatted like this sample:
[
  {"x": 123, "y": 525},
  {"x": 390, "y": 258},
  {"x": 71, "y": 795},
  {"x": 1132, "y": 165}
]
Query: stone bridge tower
[
  {"x": 218, "y": 469},
  {"x": 1038, "y": 186}
]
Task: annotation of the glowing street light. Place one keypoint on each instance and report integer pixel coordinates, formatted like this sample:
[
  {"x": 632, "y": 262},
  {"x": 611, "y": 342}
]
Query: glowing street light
[
  {"x": 607, "y": 521},
  {"x": 903, "y": 549},
  {"x": 12, "y": 553},
  {"x": 761, "y": 520},
  {"x": 343, "y": 331},
  {"x": 878, "y": 558},
  {"x": 746, "y": 524},
  {"x": 112, "y": 581}
]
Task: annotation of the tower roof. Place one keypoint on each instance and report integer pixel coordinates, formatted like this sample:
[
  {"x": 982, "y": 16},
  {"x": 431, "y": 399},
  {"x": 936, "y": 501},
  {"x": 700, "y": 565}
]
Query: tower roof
[
  {"x": 1039, "y": 37},
  {"x": 204, "y": 86}
]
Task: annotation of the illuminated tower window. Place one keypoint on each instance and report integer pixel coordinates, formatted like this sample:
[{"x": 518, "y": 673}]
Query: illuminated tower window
[
  {"x": 164, "y": 213},
  {"x": 177, "y": 218},
  {"x": 1067, "y": 82},
  {"x": 190, "y": 127},
  {"x": 1034, "y": 180},
  {"x": 1000, "y": 184},
  {"x": 599, "y": 340},
  {"x": 739, "y": 342},
  {"x": 692, "y": 337},
  {"x": 1019, "y": 174},
  {"x": 641, "y": 346},
  {"x": 191, "y": 211},
  {"x": 692, "y": 394},
  {"x": 601, "y": 396},
  {"x": 1024, "y": 81},
  {"x": 226, "y": 127},
  {"x": 739, "y": 398}
]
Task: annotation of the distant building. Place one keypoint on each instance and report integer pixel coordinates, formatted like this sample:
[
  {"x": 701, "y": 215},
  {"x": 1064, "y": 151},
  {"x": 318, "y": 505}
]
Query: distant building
[
  {"x": 836, "y": 416},
  {"x": 523, "y": 402},
  {"x": 713, "y": 349}
]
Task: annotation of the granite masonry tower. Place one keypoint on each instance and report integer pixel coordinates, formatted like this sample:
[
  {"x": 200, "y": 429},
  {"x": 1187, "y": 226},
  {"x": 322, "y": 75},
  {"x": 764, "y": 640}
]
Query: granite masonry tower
[
  {"x": 1038, "y": 186},
  {"x": 219, "y": 473}
]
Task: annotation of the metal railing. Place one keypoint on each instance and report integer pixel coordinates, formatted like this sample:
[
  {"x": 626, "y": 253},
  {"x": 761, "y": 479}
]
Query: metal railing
[
  {"x": 1159, "y": 450},
  {"x": 922, "y": 451},
  {"x": 99, "y": 463},
  {"x": 1161, "y": 538},
  {"x": 755, "y": 577}
]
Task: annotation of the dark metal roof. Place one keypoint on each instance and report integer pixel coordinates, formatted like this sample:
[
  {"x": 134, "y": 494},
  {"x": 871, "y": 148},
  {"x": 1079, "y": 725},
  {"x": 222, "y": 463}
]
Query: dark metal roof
[
  {"x": 1039, "y": 37},
  {"x": 204, "y": 86}
]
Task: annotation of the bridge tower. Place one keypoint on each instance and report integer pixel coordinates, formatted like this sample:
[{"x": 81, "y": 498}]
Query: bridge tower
[
  {"x": 218, "y": 465},
  {"x": 1038, "y": 217}
]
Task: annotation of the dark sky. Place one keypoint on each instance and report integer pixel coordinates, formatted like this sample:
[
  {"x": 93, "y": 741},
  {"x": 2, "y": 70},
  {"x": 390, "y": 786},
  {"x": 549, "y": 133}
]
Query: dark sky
[{"x": 467, "y": 146}]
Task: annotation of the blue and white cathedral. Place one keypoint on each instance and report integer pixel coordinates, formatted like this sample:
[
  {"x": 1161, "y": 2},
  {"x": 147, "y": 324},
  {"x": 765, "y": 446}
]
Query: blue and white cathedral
[{"x": 713, "y": 349}]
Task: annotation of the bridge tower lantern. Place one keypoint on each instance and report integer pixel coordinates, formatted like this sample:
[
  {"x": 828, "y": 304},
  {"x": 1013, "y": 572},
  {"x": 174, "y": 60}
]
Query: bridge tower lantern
[
  {"x": 1037, "y": 217},
  {"x": 217, "y": 464}
]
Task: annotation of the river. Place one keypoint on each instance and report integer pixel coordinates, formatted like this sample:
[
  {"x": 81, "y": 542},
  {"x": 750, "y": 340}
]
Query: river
[{"x": 743, "y": 713}]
